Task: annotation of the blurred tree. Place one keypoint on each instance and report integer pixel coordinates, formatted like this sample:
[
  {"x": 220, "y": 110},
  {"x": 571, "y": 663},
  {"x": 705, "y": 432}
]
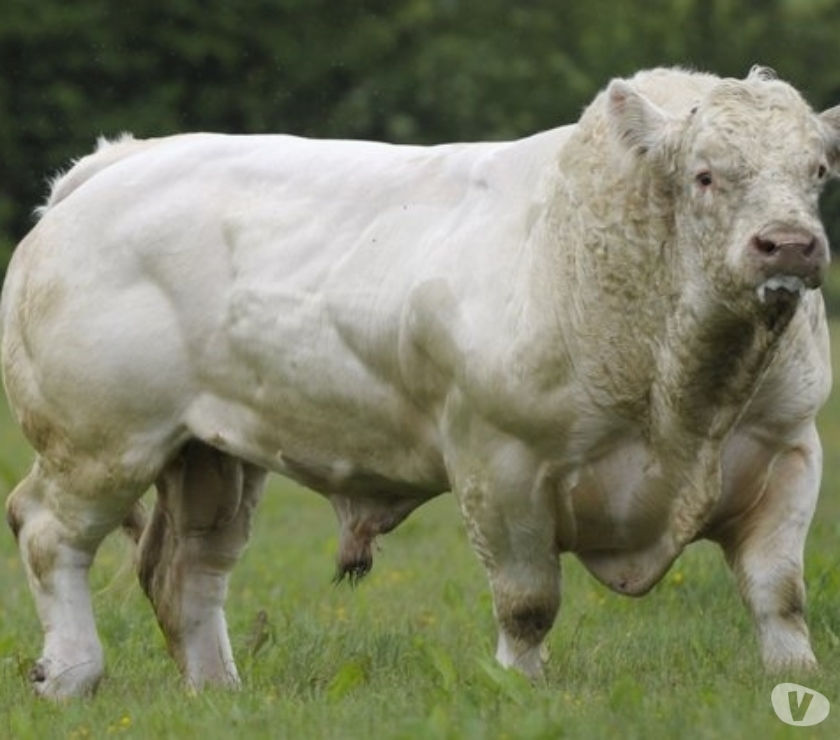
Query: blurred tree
[{"x": 403, "y": 70}]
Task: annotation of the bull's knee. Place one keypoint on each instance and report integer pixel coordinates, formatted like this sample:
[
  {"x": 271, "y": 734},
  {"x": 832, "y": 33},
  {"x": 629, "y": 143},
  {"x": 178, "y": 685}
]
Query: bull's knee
[
  {"x": 37, "y": 530},
  {"x": 24, "y": 501},
  {"x": 525, "y": 617},
  {"x": 529, "y": 623}
]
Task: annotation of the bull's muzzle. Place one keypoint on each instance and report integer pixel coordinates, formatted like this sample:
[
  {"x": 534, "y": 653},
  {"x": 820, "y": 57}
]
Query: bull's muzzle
[{"x": 790, "y": 257}]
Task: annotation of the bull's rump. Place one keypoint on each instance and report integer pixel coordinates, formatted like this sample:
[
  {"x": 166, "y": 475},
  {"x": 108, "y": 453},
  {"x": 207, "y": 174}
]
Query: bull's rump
[{"x": 252, "y": 291}]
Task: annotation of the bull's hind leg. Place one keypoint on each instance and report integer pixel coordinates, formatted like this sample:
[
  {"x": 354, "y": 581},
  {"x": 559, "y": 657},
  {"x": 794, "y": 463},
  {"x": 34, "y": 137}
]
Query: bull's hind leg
[
  {"x": 198, "y": 529},
  {"x": 58, "y": 531}
]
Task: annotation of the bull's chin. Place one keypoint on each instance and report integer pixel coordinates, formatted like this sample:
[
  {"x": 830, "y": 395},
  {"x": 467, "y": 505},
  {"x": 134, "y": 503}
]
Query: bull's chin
[
  {"x": 777, "y": 298},
  {"x": 781, "y": 290}
]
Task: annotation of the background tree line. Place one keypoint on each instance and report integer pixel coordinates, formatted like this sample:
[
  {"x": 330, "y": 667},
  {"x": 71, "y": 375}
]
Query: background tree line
[{"x": 417, "y": 71}]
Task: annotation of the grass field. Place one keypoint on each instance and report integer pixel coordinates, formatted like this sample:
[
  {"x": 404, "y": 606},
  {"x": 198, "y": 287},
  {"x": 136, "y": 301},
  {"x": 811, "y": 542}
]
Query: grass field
[{"x": 408, "y": 654}]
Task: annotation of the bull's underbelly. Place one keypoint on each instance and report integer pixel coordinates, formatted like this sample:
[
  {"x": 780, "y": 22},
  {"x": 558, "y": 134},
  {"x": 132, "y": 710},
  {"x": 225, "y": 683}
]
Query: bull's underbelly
[{"x": 385, "y": 455}]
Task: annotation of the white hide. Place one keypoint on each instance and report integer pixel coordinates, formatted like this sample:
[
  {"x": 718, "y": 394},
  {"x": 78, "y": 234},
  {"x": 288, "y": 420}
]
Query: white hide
[{"x": 536, "y": 325}]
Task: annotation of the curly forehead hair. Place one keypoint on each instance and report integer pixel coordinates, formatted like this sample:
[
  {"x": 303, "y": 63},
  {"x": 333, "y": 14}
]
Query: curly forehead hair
[
  {"x": 758, "y": 93},
  {"x": 757, "y": 115}
]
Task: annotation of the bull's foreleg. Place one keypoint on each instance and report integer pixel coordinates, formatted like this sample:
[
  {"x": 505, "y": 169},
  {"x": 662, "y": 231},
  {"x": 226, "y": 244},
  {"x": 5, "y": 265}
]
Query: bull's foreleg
[
  {"x": 525, "y": 602},
  {"x": 199, "y": 527},
  {"x": 510, "y": 520},
  {"x": 58, "y": 531},
  {"x": 765, "y": 546}
]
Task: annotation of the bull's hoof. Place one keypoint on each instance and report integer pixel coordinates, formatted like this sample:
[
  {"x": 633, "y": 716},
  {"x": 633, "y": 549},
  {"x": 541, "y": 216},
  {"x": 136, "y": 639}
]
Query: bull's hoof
[
  {"x": 791, "y": 663},
  {"x": 54, "y": 680},
  {"x": 225, "y": 679},
  {"x": 527, "y": 659}
]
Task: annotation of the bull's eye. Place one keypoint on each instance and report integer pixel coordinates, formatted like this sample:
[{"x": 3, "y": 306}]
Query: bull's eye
[
  {"x": 822, "y": 171},
  {"x": 704, "y": 178}
]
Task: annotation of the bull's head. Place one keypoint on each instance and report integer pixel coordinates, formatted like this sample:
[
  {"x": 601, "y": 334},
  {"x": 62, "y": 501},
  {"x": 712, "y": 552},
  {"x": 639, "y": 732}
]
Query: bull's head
[{"x": 745, "y": 164}]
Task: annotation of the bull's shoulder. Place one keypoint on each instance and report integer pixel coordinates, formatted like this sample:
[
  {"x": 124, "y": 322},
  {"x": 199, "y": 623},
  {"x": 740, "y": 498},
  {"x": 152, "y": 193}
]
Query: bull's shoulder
[{"x": 500, "y": 352}]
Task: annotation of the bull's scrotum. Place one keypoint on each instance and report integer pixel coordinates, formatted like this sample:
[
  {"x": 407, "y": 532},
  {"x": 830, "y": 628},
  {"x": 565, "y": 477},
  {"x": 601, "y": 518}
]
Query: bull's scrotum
[{"x": 604, "y": 339}]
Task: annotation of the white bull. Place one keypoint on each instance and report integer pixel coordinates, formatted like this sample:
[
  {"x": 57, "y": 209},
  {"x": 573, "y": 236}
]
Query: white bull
[{"x": 602, "y": 339}]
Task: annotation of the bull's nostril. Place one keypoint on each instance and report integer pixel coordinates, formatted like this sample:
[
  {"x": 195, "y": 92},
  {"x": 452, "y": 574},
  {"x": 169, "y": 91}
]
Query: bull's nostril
[
  {"x": 765, "y": 246},
  {"x": 810, "y": 248}
]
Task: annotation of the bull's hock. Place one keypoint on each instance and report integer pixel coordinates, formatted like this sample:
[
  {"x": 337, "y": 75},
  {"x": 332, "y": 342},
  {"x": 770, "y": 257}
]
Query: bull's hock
[{"x": 193, "y": 311}]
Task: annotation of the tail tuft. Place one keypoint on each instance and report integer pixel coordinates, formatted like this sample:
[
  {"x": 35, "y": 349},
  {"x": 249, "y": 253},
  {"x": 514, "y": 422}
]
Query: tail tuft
[{"x": 353, "y": 571}]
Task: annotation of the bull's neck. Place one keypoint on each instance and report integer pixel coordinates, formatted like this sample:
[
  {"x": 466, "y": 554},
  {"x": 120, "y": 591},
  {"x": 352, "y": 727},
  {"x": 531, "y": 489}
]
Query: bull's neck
[
  {"x": 648, "y": 341},
  {"x": 707, "y": 370},
  {"x": 709, "y": 365},
  {"x": 651, "y": 341}
]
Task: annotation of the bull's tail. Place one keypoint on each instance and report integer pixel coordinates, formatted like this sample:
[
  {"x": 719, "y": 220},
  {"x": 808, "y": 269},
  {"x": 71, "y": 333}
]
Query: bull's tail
[{"x": 106, "y": 153}]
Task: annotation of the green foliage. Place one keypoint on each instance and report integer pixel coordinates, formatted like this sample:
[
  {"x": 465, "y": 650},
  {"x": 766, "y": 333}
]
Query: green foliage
[{"x": 404, "y": 70}]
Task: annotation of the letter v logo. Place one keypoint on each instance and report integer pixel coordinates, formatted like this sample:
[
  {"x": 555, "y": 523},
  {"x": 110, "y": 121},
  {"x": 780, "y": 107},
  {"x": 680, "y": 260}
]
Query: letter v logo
[{"x": 798, "y": 705}]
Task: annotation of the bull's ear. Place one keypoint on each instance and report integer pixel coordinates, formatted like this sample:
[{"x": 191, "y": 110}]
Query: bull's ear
[
  {"x": 831, "y": 121},
  {"x": 633, "y": 119}
]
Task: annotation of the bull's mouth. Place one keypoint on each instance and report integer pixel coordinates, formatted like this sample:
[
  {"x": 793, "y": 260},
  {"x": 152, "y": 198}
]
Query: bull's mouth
[{"x": 781, "y": 289}]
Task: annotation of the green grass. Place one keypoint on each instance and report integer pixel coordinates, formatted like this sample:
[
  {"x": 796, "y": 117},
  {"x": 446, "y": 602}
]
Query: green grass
[{"x": 408, "y": 654}]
